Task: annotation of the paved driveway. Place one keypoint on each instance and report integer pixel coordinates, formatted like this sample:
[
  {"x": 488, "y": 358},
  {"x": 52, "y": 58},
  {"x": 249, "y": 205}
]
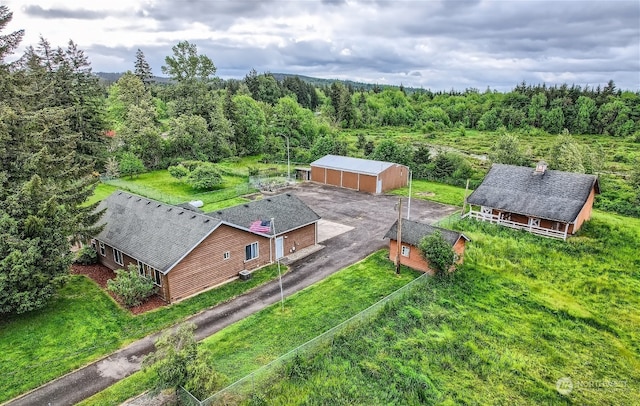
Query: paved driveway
[{"x": 370, "y": 216}]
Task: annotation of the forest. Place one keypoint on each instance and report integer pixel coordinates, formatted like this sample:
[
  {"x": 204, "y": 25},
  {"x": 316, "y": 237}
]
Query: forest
[{"x": 62, "y": 130}]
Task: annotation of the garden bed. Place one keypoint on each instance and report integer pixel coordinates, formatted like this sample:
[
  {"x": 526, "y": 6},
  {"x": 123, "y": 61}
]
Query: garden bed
[{"x": 100, "y": 274}]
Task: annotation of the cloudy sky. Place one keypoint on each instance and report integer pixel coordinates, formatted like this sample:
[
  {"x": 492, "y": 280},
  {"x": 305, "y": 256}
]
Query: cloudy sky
[{"x": 421, "y": 43}]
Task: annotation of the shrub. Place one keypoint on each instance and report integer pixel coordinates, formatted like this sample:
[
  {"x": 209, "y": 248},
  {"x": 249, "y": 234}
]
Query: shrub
[
  {"x": 130, "y": 286},
  {"x": 253, "y": 170},
  {"x": 86, "y": 256},
  {"x": 178, "y": 171},
  {"x": 437, "y": 251},
  {"x": 205, "y": 176}
]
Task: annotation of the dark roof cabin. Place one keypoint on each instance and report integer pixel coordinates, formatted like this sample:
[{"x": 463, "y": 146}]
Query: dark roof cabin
[
  {"x": 546, "y": 202},
  {"x": 412, "y": 233}
]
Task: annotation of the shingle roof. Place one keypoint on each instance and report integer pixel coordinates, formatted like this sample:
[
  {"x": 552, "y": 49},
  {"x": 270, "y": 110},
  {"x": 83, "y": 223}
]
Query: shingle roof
[
  {"x": 365, "y": 166},
  {"x": 553, "y": 195},
  {"x": 155, "y": 233},
  {"x": 287, "y": 210},
  {"x": 413, "y": 232}
]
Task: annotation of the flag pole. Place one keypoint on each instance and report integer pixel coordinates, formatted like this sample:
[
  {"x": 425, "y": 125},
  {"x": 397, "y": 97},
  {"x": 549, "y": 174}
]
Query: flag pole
[{"x": 273, "y": 226}]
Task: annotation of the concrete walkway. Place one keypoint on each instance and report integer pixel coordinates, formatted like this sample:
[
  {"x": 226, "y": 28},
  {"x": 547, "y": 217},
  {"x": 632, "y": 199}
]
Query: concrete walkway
[{"x": 370, "y": 218}]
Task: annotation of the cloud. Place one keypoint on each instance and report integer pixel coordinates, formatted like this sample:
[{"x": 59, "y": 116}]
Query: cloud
[
  {"x": 63, "y": 13},
  {"x": 443, "y": 44}
]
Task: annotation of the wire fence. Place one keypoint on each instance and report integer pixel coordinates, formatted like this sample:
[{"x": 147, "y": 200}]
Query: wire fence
[
  {"x": 206, "y": 197},
  {"x": 254, "y": 383}
]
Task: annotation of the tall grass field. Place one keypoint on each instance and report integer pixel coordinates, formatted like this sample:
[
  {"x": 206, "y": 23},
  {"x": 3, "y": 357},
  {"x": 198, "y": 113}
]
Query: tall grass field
[{"x": 525, "y": 321}]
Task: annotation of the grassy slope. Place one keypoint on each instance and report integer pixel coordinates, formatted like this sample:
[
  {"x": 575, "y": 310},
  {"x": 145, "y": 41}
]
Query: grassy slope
[
  {"x": 522, "y": 313},
  {"x": 83, "y": 323},
  {"x": 262, "y": 337},
  {"x": 437, "y": 192}
]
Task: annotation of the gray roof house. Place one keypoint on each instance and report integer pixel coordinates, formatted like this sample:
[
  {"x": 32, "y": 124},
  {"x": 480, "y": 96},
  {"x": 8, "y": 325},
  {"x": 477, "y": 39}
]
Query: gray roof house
[
  {"x": 412, "y": 233},
  {"x": 185, "y": 251},
  {"x": 548, "y": 202},
  {"x": 287, "y": 211}
]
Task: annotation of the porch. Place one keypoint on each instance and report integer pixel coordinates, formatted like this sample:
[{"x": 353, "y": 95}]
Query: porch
[{"x": 532, "y": 226}]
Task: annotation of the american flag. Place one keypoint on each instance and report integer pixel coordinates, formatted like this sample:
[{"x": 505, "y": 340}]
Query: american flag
[{"x": 261, "y": 226}]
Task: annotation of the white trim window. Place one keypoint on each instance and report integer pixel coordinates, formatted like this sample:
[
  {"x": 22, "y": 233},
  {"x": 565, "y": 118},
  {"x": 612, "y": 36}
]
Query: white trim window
[
  {"x": 486, "y": 211},
  {"x": 226, "y": 255},
  {"x": 94, "y": 245},
  {"x": 102, "y": 249},
  {"x": 406, "y": 250},
  {"x": 117, "y": 256},
  {"x": 251, "y": 251},
  {"x": 157, "y": 277}
]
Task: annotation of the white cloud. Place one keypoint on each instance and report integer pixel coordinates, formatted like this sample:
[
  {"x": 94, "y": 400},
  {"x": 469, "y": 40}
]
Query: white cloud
[{"x": 437, "y": 44}]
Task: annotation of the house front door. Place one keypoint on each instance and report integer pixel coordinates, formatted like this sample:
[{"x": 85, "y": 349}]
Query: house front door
[{"x": 279, "y": 247}]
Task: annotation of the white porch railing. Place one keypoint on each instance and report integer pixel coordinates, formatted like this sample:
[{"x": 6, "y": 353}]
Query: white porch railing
[{"x": 492, "y": 218}]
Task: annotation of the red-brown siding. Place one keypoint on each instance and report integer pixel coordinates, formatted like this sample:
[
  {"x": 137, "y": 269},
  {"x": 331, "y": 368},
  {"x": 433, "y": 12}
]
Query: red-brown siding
[
  {"x": 317, "y": 174},
  {"x": 416, "y": 261},
  {"x": 350, "y": 180},
  {"x": 394, "y": 177},
  {"x": 334, "y": 177},
  {"x": 368, "y": 183},
  {"x": 585, "y": 213},
  {"x": 297, "y": 239},
  {"x": 205, "y": 266}
]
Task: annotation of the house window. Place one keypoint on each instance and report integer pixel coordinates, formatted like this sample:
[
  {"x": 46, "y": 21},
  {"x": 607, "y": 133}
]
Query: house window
[
  {"x": 117, "y": 256},
  {"x": 93, "y": 245},
  {"x": 534, "y": 222},
  {"x": 102, "y": 251},
  {"x": 226, "y": 255},
  {"x": 405, "y": 251},
  {"x": 157, "y": 277},
  {"x": 141, "y": 268},
  {"x": 251, "y": 251}
]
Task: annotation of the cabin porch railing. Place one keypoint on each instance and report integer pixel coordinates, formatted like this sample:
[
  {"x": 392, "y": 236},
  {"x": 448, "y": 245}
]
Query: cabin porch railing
[{"x": 492, "y": 218}]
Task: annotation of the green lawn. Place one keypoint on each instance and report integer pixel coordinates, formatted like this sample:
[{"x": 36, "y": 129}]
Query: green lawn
[
  {"x": 521, "y": 314},
  {"x": 246, "y": 345},
  {"x": 83, "y": 323},
  {"x": 437, "y": 192},
  {"x": 160, "y": 185}
]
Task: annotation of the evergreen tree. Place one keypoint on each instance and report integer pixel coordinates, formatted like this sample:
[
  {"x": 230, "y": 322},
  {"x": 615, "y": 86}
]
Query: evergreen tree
[
  {"x": 143, "y": 69},
  {"x": 50, "y": 118}
]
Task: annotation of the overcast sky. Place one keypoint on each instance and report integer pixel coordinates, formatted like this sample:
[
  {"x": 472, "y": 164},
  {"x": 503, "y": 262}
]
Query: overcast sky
[{"x": 438, "y": 45}]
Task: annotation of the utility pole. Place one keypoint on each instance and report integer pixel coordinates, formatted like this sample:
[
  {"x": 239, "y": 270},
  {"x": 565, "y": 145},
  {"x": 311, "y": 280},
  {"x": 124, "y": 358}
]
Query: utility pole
[
  {"x": 399, "y": 236},
  {"x": 409, "y": 204},
  {"x": 273, "y": 227},
  {"x": 464, "y": 201}
]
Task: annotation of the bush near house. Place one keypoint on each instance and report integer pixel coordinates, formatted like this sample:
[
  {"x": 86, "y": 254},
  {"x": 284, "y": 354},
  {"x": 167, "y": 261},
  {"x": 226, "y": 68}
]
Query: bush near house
[{"x": 130, "y": 286}]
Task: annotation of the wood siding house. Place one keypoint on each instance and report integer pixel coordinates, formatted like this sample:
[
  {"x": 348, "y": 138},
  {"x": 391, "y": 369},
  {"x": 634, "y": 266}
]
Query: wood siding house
[
  {"x": 541, "y": 201},
  {"x": 412, "y": 233},
  {"x": 363, "y": 175},
  {"x": 186, "y": 252}
]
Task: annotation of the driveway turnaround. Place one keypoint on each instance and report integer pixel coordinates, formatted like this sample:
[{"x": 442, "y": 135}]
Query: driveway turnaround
[{"x": 370, "y": 216}]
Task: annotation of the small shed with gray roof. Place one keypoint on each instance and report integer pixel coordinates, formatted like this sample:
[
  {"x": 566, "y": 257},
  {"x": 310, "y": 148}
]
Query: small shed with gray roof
[
  {"x": 412, "y": 232},
  {"x": 546, "y": 202},
  {"x": 185, "y": 252},
  {"x": 364, "y": 175}
]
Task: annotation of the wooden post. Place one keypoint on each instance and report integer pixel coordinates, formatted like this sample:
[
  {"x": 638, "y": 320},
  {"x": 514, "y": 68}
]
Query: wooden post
[
  {"x": 464, "y": 201},
  {"x": 399, "y": 236}
]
